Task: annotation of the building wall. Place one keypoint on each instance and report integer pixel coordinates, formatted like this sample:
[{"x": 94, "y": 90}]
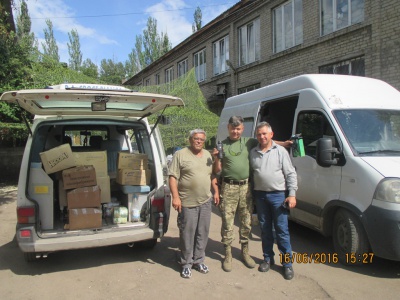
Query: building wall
[{"x": 376, "y": 39}]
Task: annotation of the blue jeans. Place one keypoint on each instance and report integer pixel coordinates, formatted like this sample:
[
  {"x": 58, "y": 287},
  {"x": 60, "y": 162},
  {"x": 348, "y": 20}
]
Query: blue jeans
[{"x": 271, "y": 214}]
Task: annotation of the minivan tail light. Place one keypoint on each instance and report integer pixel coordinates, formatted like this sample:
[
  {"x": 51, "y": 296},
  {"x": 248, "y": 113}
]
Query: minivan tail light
[
  {"x": 158, "y": 204},
  {"x": 25, "y": 233},
  {"x": 25, "y": 215}
]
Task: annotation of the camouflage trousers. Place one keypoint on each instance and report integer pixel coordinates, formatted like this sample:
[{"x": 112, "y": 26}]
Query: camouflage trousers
[{"x": 235, "y": 198}]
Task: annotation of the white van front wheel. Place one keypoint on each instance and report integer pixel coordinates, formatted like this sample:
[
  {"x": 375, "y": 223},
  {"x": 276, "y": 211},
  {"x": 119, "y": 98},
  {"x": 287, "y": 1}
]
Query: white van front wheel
[{"x": 349, "y": 238}]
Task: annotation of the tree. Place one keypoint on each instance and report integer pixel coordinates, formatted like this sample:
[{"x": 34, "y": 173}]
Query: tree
[
  {"x": 111, "y": 72},
  {"x": 14, "y": 62},
  {"x": 6, "y": 10},
  {"x": 197, "y": 20},
  {"x": 89, "y": 68},
  {"x": 50, "y": 48},
  {"x": 26, "y": 38},
  {"x": 148, "y": 47},
  {"x": 74, "y": 50}
]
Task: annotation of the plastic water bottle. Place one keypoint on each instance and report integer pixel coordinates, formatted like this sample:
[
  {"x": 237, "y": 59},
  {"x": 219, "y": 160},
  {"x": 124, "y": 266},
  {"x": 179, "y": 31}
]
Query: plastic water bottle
[{"x": 135, "y": 209}]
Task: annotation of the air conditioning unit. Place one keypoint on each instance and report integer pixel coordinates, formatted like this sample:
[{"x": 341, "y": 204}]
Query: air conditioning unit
[{"x": 221, "y": 89}]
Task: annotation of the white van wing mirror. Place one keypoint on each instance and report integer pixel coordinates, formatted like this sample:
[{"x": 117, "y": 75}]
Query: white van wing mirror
[{"x": 326, "y": 153}]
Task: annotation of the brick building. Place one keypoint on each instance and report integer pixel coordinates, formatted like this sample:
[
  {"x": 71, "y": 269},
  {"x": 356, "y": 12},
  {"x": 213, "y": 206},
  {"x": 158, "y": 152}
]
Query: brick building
[{"x": 260, "y": 42}]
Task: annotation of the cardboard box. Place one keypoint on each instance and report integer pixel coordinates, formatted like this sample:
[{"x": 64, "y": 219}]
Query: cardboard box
[
  {"x": 79, "y": 177},
  {"x": 84, "y": 197},
  {"x": 62, "y": 194},
  {"x": 98, "y": 159},
  {"x": 132, "y": 161},
  {"x": 104, "y": 184},
  {"x": 57, "y": 159},
  {"x": 84, "y": 218},
  {"x": 133, "y": 177}
]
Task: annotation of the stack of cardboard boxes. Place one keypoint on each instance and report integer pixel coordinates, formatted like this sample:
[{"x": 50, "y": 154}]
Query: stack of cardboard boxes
[
  {"x": 83, "y": 197},
  {"x": 133, "y": 169},
  {"x": 83, "y": 184}
]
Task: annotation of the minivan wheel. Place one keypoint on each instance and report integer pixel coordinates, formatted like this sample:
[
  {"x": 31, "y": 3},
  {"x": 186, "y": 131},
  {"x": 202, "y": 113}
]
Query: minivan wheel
[
  {"x": 349, "y": 238},
  {"x": 148, "y": 244},
  {"x": 30, "y": 256}
]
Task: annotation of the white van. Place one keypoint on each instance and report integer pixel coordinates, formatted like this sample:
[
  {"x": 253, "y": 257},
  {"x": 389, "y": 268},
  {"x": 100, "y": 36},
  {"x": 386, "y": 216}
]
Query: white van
[
  {"x": 93, "y": 124},
  {"x": 349, "y": 177}
]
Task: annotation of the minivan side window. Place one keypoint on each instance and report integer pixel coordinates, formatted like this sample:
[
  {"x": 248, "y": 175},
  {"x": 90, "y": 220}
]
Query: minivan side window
[{"x": 314, "y": 125}]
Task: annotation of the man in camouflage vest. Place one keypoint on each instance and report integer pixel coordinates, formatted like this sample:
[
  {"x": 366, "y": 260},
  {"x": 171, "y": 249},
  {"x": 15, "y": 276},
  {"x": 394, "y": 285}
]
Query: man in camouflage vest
[{"x": 235, "y": 190}]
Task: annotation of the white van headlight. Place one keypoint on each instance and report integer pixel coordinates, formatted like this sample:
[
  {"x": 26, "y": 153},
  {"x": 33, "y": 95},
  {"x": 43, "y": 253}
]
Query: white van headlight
[{"x": 388, "y": 190}]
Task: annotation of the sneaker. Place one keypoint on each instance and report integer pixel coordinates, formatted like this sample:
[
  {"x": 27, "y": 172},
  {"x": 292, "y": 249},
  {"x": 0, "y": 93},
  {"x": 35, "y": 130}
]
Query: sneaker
[
  {"x": 202, "y": 268},
  {"x": 186, "y": 273},
  {"x": 288, "y": 273}
]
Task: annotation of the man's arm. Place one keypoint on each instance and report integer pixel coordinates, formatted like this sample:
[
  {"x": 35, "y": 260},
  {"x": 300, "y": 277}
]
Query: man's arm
[
  {"x": 217, "y": 166},
  {"x": 286, "y": 144},
  {"x": 291, "y": 179},
  {"x": 176, "y": 201},
  {"x": 215, "y": 189}
]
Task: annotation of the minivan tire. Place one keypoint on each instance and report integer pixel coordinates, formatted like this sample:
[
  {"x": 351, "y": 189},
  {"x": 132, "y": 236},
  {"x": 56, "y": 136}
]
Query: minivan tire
[{"x": 349, "y": 237}]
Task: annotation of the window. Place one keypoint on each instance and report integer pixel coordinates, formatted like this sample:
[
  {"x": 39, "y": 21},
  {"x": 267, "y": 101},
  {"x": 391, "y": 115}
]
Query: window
[
  {"x": 200, "y": 65},
  {"x": 169, "y": 75},
  {"x": 147, "y": 83},
  {"x": 353, "y": 66},
  {"x": 288, "y": 25},
  {"x": 157, "y": 78},
  {"x": 249, "y": 43},
  {"x": 337, "y": 14},
  {"x": 314, "y": 125},
  {"x": 248, "y": 88},
  {"x": 182, "y": 67},
  {"x": 221, "y": 55}
]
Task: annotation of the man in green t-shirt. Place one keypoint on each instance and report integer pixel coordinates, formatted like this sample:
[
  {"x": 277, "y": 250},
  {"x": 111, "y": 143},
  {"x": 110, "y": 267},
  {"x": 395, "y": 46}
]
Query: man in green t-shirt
[
  {"x": 191, "y": 182},
  {"x": 236, "y": 191}
]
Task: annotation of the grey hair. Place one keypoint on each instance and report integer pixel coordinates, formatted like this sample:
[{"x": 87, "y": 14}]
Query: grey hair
[
  {"x": 235, "y": 121},
  {"x": 197, "y": 131},
  {"x": 264, "y": 124}
]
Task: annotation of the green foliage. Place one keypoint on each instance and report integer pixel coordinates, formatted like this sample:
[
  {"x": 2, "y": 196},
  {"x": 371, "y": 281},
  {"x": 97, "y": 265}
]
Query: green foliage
[
  {"x": 74, "y": 50},
  {"x": 111, "y": 72},
  {"x": 148, "y": 48},
  {"x": 50, "y": 47},
  {"x": 194, "y": 115},
  {"x": 89, "y": 68},
  {"x": 12, "y": 134},
  {"x": 196, "y": 26}
]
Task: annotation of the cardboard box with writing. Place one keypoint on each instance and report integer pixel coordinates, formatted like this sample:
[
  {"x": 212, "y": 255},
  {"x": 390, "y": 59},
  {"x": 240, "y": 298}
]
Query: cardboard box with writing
[
  {"x": 132, "y": 161},
  {"x": 98, "y": 159},
  {"x": 79, "y": 177},
  {"x": 133, "y": 177},
  {"x": 84, "y": 218},
  {"x": 57, "y": 159},
  {"x": 84, "y": 197}
]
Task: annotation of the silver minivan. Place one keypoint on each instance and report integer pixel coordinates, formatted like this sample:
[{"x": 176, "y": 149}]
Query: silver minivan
[{"x": 93, "y": 121}]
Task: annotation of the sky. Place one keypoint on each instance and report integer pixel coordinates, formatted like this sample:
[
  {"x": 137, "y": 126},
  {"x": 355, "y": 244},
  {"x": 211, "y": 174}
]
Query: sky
[{"x": 108, "y": 29}]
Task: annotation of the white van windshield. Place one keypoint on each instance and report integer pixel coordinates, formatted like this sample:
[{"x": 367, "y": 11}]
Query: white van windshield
[{"x": 371, "y": 131}]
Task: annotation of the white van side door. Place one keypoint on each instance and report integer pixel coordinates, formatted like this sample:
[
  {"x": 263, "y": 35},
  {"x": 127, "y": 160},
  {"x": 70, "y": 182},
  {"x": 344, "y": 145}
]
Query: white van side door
[{"x": 317, "y": 185}]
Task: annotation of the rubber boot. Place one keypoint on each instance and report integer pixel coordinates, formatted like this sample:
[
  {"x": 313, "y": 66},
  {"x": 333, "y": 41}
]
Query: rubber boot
[
  {"x": 227, "y": 263},
  {"x": 246, "y": 258}
]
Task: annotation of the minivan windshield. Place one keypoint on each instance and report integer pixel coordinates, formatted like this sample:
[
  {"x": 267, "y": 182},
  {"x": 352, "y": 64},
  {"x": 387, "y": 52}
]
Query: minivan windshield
[{"x": 371, "y": 132}]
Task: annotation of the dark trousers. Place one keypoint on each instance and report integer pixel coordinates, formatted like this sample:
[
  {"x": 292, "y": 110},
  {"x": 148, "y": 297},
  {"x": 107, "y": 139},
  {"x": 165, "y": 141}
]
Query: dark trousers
[{"x": 194, "y": 226}]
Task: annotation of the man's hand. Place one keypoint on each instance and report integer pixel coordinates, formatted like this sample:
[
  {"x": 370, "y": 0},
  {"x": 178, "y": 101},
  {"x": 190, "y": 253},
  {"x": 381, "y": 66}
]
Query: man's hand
[
  {"x": 177, "y": 204},
  {"x": 291, "y": 201},
  {"x": 216, "y": 198}
]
